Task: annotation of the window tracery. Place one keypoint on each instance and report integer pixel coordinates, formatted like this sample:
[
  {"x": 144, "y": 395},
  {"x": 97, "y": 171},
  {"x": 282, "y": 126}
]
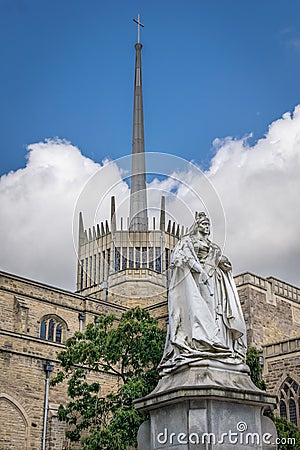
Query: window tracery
[
  {"x": 52, "y": 329},
  {"x": 289, "y": 405}
]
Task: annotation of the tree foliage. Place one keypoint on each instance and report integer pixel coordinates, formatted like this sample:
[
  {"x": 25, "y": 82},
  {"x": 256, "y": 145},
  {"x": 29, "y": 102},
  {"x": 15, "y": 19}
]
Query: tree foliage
[
  {"x": 253, "y": 361},
  {"x": 288, "y": 433},
  {"x": 131, "y": 349}
]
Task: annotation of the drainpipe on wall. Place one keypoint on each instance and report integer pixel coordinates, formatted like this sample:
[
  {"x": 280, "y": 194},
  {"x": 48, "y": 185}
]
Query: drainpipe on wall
[
  {"x": 48, "y": 368},
  {"x": 81, "y": 318},
  {"x": 105, "y": 288}
]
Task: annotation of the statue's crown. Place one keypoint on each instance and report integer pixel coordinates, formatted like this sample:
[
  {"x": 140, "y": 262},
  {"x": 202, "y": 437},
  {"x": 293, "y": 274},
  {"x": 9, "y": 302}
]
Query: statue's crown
[{"x": 201, "y": 216}]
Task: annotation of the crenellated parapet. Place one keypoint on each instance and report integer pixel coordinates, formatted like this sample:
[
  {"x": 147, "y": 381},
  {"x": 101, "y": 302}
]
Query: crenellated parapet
[{"x": 135, "y": 261}]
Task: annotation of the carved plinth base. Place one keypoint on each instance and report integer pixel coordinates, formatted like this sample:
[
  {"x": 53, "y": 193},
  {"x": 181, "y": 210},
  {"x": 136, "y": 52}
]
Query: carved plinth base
[{"x": 207, "y": 408}]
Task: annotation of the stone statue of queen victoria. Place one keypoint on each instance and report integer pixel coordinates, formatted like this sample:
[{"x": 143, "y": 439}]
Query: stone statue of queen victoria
[
  {"x": 205, "y": 388},
  {"x": 205, "y": 315}
]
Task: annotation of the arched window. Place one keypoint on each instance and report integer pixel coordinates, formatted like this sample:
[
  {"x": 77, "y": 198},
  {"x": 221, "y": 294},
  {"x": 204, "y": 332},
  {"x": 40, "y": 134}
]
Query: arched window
[
  {"x": 53, "y": 329},
  {"x": 289, "y": 401}
]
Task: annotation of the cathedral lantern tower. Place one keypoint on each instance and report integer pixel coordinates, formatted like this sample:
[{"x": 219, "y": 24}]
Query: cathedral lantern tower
[{"x": 129, "y": 264}]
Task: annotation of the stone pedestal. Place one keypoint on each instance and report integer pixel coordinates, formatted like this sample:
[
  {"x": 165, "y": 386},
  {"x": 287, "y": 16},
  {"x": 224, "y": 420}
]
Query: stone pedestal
[{"x": 207, "y": 407}]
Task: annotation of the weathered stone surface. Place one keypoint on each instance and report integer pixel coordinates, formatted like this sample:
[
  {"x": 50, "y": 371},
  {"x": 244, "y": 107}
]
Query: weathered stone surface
[
  {"x": 208, "y": 373},
  {"x": 22, "y": 378},
  {"x": 23, "y": 354},
  {"x": 207, "y": 418},
  {"x": 144, "y": 435},
  {"x": 271, "y": 309}
]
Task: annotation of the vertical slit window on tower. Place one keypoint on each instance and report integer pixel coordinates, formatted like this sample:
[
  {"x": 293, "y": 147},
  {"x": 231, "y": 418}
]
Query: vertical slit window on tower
[
  {"x": 124, "y": 258},
  {"x": 81, "y": 273},
  {"x": 117, "y": 259},
  {"x": 144, "y": 257},
  {"x": 151, "y": 262},
  {"x": 137, "y": 257},
  {"x": 157, "y": 259},
  {"x": 103, "y": 265},
  {"x": 167, "y": 259},
  {"x": 86, "y": 271},
  {"x": 99, "y": 268},
  {"x": 91, "y": 270},
  {"x": 108, "y": 261},
  {"x": 95, "y": 270},
  {"x": 131, "y": 263}
]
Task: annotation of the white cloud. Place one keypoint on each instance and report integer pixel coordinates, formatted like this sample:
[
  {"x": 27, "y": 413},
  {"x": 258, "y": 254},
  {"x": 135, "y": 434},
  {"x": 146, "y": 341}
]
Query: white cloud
[
  {"x": 258, "y": 187},
  {"x": 37, "y": 209}
]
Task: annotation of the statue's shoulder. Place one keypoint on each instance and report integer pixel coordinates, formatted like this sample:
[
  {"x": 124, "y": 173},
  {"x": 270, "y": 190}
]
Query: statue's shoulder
[
  {"x": 185, "y": 238},
  {"x": 182, "y": 248},
  {"x": 183, "y": 241},
  {"x": 214, "y": 246}
]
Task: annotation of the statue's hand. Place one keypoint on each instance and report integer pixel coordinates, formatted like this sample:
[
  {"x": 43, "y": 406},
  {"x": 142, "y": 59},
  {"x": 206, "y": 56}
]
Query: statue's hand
[
  {"x": 197, "y": 267},
  {"x": 225, "y": 264},
  {"x": 203, "y": 277}
]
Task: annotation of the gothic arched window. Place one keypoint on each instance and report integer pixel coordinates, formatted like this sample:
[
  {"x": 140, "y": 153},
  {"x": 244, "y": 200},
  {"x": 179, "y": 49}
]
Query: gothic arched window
[
  {"x": 53, "y": 329},
  {"x": 289, "y": 401}
]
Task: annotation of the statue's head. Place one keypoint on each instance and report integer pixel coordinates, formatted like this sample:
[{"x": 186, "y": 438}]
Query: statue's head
[{"x": 202, "y": 223}]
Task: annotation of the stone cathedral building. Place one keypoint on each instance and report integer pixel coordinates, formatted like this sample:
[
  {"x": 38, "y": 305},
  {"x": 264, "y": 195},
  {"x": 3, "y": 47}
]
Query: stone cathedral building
[{"x": 119, "y": 268}]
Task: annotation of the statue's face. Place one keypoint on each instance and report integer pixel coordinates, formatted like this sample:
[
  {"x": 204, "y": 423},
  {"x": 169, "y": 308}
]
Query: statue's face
[{"x": 204, "y": 227}]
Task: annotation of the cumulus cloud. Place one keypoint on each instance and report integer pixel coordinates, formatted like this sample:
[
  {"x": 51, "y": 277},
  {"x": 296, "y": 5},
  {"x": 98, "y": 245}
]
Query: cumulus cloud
[
  {"x": 259, "y": 188},
  {"x": 250, "y": 192},
  {"x": 36, "y": 212}
]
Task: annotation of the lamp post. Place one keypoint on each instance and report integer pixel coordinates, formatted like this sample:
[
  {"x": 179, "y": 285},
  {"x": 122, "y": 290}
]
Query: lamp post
[{"x": 48, "y": 368}]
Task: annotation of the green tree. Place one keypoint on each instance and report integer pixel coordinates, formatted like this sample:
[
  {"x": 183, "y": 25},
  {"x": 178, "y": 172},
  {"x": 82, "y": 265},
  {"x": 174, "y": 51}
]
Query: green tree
[
  {"x": 288, "y": 433},
  {"x": 253, "y": 361},
  {"x": 129, "y": 348}
]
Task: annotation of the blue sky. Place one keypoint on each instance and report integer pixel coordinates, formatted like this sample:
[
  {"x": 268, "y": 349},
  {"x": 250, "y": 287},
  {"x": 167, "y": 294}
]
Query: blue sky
[{"x": 210, "y": 69}]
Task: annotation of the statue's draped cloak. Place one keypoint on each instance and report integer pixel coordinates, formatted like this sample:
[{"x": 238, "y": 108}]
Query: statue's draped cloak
[{"x": 205, "y": 315}]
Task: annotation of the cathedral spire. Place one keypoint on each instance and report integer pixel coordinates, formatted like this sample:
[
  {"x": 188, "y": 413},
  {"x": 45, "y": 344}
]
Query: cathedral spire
[{"x": 138, "y": 194}]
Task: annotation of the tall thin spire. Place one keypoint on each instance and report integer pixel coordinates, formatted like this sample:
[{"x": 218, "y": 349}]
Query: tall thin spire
[{"x": 138, "y": 194}]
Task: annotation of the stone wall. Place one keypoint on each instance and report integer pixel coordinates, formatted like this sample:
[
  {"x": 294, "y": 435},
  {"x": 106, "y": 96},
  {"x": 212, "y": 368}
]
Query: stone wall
[
  {"x": 23, "y": 304},
  {"x": 12, "y": 414},
  {"x": 281, "y": 360},
  {"x": 271, "y": 309}
]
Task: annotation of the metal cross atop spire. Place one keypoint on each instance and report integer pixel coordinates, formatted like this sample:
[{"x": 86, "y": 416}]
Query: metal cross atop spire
[{"x": 139, "y": 24}]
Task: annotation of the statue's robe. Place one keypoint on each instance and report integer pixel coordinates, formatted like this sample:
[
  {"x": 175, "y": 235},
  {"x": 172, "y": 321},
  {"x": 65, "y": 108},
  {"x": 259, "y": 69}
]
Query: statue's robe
[{"x": 205, "y": 315}]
